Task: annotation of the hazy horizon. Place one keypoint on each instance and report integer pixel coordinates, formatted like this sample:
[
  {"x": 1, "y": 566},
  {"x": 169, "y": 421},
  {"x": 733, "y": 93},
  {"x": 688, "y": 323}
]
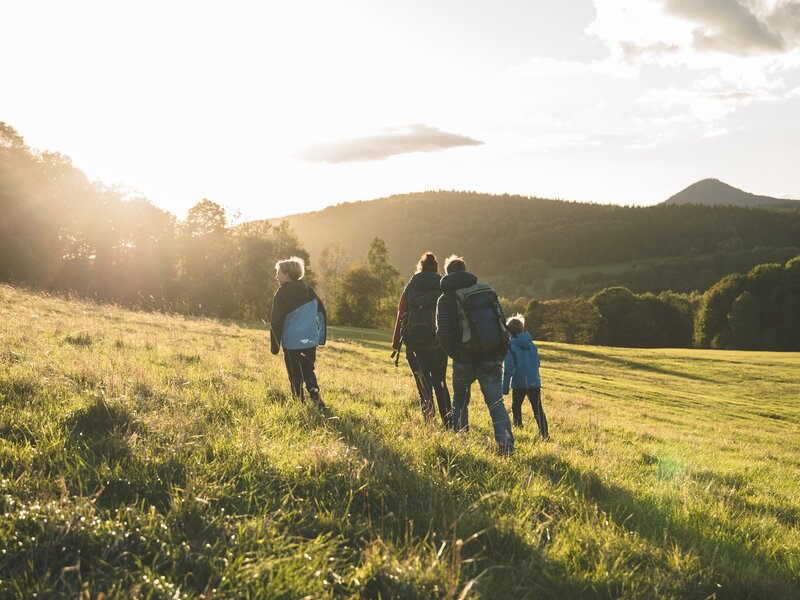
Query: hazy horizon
[{"x": 282, "y": 108}]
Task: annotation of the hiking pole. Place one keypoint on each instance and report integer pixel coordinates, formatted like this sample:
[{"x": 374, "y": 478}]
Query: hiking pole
[{"x": 396, "y": 353}]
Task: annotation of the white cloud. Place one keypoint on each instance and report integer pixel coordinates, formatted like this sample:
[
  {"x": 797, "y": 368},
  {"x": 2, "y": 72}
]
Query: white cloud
[{"x": 413, "y": 138}]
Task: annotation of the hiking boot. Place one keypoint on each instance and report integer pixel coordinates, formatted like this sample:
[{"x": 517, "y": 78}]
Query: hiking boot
[
  {"x": 505, "y": 450},
  {"x": 316, "y": 398}
]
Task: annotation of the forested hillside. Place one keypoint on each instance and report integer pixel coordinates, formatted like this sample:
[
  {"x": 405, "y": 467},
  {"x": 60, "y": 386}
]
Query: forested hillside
[{"x": 518, "y": 242}]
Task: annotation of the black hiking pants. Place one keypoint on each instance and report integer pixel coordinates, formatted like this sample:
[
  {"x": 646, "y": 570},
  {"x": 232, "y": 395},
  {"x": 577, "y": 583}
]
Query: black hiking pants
[
  {"x": 534, "y": 394},
  {"x": 300, "y": 368},
  {"x": 430, "y": 374}
]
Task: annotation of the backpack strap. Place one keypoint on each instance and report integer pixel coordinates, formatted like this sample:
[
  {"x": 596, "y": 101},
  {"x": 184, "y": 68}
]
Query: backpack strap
[
  {"x": 463, "y": 320},
  {"x": 462, "y": 295}
]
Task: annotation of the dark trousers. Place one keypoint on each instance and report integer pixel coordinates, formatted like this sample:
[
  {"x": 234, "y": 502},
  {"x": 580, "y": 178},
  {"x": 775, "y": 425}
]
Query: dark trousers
[
  {"x": 300, "y": 368},
  {"x": 533, "y": 394},
  {"x": 430, "y": 373}
]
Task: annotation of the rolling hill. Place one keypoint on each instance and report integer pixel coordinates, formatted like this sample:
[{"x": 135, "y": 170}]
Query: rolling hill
[
  {"x": 531, "y": 246},
  {"x": 716, "y": 192}
]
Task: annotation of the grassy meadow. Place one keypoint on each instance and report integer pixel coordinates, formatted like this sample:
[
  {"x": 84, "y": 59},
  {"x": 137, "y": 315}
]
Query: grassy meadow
[{"x": 153, "y": 456}]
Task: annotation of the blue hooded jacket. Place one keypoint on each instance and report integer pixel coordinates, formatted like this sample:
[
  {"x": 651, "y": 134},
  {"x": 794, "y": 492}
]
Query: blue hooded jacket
[{"x": 521, "y": 367}]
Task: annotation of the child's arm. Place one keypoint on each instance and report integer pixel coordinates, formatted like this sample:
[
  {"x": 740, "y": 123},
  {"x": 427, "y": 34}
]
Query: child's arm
[
  {"x": 276, "y": 322},
  {"x": 509, "y": 365}
]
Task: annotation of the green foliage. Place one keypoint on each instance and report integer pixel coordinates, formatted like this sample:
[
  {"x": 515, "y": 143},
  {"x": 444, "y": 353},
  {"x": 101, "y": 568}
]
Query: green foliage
[
  {"x": 572, "y": 321},
  {"x": 165, "y": 460},
  {"x": 367, "y": 295},
  {"x": 205, "y": 218},
  {"x": 512, "y": 307},
  {"x": 756, "y": 311},
  {"x": 643, "y": 321},
  {"x": 331, "y": 267},
  {"x": 359, "y": 299},
  {"x": 59, "y": 232},
  {"x": 616, "y": 317},
  {"x": 683, "y": 274}
]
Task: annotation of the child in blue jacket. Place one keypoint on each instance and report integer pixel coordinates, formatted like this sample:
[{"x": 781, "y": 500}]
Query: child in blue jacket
[
  {"x": 298, "y": 325},
  {"x": 521, "y": 372}
]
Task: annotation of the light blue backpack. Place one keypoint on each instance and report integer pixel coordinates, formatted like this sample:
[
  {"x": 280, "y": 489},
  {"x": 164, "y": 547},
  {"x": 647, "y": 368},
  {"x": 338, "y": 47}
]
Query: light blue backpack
[{"x": 304, "y": 327}]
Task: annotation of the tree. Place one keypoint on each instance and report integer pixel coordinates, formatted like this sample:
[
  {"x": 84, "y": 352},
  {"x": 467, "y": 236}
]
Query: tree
[
  {"x": 332, "y": 263},
  {"x": 571, "y": 321},
  {"x": 623, "y": 321},
  {"x": 367, "y": 294},
  {"x": 512, "y": 307},
  {"x": 388, "y": 277},
  {"x": 744, "y": 328},
  {"x": 203, "y": 267},
  {"x": 358, "y": 300},
  {"x": 205, "y": 218},
  {"x": 712, "y": 315}
]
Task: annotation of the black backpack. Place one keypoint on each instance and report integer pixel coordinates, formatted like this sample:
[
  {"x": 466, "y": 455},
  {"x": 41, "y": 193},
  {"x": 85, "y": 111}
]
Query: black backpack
[
  {"x": 419, "y": 329},
  {"x": 483, "y": 330}
]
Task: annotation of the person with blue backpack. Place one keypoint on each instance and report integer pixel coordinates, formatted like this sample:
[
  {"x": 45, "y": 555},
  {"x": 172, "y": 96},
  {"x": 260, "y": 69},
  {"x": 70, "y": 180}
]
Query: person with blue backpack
[
  {"x": 415, "y": 327},
  {"x": 521, "y": 375},
  {"x": 471, "y": 328},
  {"x": 298, "y": 324}
]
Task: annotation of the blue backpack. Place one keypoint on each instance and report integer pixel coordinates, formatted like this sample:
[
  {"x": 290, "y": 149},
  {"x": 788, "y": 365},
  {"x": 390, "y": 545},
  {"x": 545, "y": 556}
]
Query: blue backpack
[
  {"x": 483, "y": 329},
  {"x": 304, "y": 327}
]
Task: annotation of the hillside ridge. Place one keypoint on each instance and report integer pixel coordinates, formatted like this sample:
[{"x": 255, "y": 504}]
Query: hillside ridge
[
  {"x": 518, "y": 242},
  {"x": 715, "y": 192}
]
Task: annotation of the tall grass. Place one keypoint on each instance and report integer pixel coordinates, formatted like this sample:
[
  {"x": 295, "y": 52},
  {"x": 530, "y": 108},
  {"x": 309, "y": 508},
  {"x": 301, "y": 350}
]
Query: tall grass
[{"x": 161, "y": 457}]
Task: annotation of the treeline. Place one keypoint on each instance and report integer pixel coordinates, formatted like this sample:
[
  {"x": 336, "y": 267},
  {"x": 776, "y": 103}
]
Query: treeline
[
  {"x": 756, "y": 311},
  {"x": 678, "y": 274},
  {"x": 516, "y": 242},
  {"x": 61, "y": 233}
]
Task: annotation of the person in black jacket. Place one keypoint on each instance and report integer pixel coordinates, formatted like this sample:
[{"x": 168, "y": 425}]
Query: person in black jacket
[
  {"x": 415, "y": 326},
  {"x": 469, "y": 361},
  {"x": 298, "y": 323}
]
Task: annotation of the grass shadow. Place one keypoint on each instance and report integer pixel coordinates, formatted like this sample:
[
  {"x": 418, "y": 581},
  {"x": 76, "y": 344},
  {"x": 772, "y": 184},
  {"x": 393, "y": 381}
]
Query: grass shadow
[
  {"x": 505, "y": 564},
  {"x": 745, "y": 573},
  {"x": 100, "y": 434},
  {"x": 633, "y": 365}
]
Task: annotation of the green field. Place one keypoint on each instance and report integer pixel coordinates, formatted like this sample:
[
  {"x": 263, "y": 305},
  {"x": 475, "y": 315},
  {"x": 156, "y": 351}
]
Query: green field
[{"x": 157, "y": 456}]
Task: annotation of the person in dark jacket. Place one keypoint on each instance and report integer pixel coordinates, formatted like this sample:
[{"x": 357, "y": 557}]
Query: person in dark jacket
[
  {"x": 415, "y": 326},
  {"x": 470, "y": 364},
  {"x": 298, "y": 324},
  {"x": 521, "y": 374}
]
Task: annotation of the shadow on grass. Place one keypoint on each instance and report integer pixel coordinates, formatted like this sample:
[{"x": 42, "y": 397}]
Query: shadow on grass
[
  {"x": 374, "y": 345},
  {"x": 18, "y": 392},
  {"x": 100, "y": 434},
  {"x": 402, "y": 502},
  {"x": 744, "y": 572},
  {"x": 633, "y": 365}
]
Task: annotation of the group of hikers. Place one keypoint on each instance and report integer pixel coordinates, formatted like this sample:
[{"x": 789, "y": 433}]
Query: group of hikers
[{"x": 437, "y": 317}]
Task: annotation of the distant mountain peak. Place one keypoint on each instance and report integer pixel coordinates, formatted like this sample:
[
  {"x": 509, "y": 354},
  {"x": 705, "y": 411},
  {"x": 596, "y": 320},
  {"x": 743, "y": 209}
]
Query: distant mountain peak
[{"x": 715, "y": 192}]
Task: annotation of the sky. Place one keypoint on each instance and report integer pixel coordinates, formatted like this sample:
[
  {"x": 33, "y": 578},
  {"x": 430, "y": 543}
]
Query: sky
[{"x": 272, "y": 108}]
